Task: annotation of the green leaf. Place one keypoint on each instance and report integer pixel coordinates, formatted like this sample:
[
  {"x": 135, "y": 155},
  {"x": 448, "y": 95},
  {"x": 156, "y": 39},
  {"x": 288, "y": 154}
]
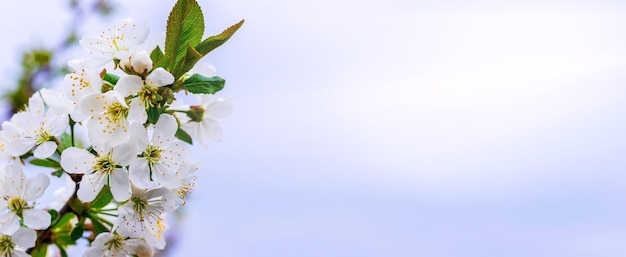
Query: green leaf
[
  {"x": 40, "y": 251},
  {"x": 65, "y": 142},
  {"x": 111, "y": 78},
  {"x": 153, "y": 114},
  {"x": 213, "y": 42},
  {"x": 76, "y": 205},
  {"x": 77, "y": 232},
  {"x": 102, "y": 199},
  {"x": 198, "y": 84},
  {"x": 49, "y": 163},
  {"x": 65, "y": 219},
  {"x": 62, "y": 250},
  {"x": 185, "y": 24},
  {"x": 156, "y": 55},
  {"x": 54, "y": 216},
  {"x": 183, "y": 136},
  {"x": 98, "y": 227},
  {"x": 64, "y": 239},
  {"x": 191, "y": 58},
  {"x": 58, "y": 173}
]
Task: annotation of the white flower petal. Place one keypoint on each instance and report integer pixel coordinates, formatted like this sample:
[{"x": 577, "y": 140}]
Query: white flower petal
[
  {"x": 76, "y": 160},
  {"x": 165, "y": 129},
  {"x": 9, "y": 223},
  {"x": 36, "y": 187},
  {"x": 195, "y": 130},
  {"x": 35, "y": 104},
  {"x": 90, "y": 186},
  {"x": 139, "y": 174},
  {"x": 59, "y": 123},
  {"x": 36, "y": 218},
  {"x": 159, "y": 77},
  {"x": 165, "y": 177},
  {"x": 24, "y": 237},
  {"x": 129, "y": 85},
  {"x": 139, "y": 247},
  {"x": 139, "y": 135},
  {"x": 212, "y": 129},
  {"x": 94, "y": 104},
  {"x": 13, "y": 180},
  {"x": 45, "y": 150},
  {"x": 124, "y": 154},
  {"x": 220, "y": 108},
  {"x": 137, "y": 112},
  {"x": 78, "y": 115},
  {"x": 120, "y": 185}
]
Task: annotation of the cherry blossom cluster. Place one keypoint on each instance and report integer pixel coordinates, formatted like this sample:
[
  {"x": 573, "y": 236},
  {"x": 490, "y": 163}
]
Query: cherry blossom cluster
[{"x": 119, "y": 128}]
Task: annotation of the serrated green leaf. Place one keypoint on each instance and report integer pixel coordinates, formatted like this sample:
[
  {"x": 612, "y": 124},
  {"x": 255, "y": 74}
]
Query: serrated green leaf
[
  {"x": 48, "y": 163},
  {"x": 102, "y": 199},
  {"x": 198, "y": 84},
  {"x": 191, "y": 58},
  {"x": 213, "y": 42},
  {"x": 77, "y": 232},
  {"x": 185, "y": 24},
  {"x": 183, "y": 136},
  {"x": 153, "y": 114},
  {"x": 111, "y": 78},
  {"x": 156, "y": 55}
]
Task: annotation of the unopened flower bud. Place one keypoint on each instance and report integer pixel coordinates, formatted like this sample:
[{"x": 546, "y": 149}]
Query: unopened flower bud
[{"x": 140, "y": 62}]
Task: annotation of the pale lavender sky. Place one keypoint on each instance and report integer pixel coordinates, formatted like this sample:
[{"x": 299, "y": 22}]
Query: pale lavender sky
[{"x": 405, "y": 128}]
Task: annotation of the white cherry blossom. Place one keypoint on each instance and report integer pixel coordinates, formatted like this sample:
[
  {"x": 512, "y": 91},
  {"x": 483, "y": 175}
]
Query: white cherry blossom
[
  {"x": 142, "y": 215},
  {"x": 108, "y": 118},
  {"x": 115, "y": 245},
  {"x": 16, "y": 191},
  {"x": 107, "y": 167},
  {"x": 35, "y": 128},
  {"x": 79, "y": 84},
  {"x": 161, "y": 154},
  {"x": 117, "y": 42},
  {"x": 203, "y": 127},
  {"x": 146, "y": 91},
  {"x": 16, "y": 244},
  {"x": 187, "y": 174}
]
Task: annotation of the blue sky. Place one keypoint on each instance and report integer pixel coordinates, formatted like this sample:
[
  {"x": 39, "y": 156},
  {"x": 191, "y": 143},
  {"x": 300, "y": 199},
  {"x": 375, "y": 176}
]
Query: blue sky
[{"x": 405, "y": 128}]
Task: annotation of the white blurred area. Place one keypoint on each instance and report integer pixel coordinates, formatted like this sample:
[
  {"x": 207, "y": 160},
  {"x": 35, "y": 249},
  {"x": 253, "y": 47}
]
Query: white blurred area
[{"x": 404, "y": 128}]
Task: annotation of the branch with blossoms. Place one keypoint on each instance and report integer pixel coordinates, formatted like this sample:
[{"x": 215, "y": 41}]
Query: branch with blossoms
[{"x": 120, "y": 130}]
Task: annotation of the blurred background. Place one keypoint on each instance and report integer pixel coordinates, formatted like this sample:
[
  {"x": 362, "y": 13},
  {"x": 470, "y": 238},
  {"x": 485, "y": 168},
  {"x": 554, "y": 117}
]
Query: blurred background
[{"x": 395, "y": 128}]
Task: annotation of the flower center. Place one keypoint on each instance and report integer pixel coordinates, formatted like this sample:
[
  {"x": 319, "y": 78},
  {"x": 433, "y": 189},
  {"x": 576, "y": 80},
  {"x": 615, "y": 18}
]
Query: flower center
[
  {"x": 149, "y": 95},
  {"x": 152, "y": 154},
  {"x": 117, "y": 242},
  {"x": 117, "y": 112},
  {"x": 139, "y": 206},
  {"x": 6, "y": 245},
  {"x": 17, "y": 205},
  {"x": 195, "y": 113},
  {"x": 105, "y": 164},
  {"x": 43, "y": 137}
]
